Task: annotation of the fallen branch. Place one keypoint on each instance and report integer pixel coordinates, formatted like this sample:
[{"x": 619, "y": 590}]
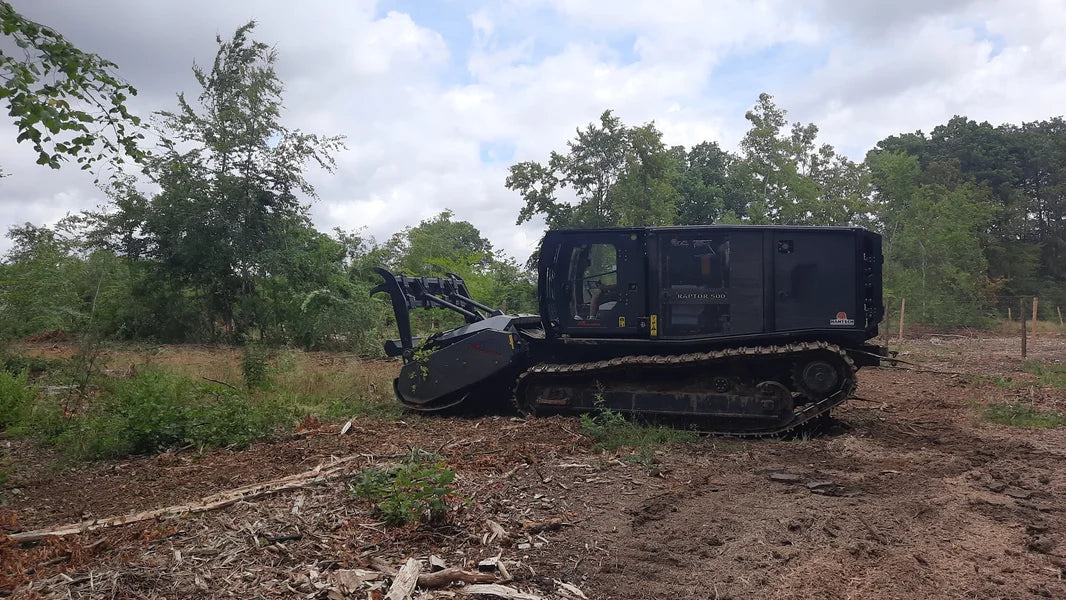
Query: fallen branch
[
  {"x": 229, "y": 385},
  {"x": 320, "y": 474},
  {"x": 453, "y": 575}
]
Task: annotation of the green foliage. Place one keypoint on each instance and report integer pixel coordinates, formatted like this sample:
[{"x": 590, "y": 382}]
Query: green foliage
[
  {"x": 158, "y": 410},
  {"x": 796, "y": 181},
  {"x": 66, "y": 102},
  {"x": 1050, "y": 374},
  {"x": 611, "y": 430},
  {"x": 1022, "y": 415},
  {"x": 621, "y": 176},
  {"x": 16, "y": 398},
  {"x": 417, "y": 489},
  {"x": 255, "y": 365},
  {"x": 423, "y": 249},
  {"x": 228, "y": 219}
]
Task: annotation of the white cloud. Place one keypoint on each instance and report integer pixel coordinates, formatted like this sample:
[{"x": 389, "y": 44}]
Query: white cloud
[{"x": 421, "y": 94}]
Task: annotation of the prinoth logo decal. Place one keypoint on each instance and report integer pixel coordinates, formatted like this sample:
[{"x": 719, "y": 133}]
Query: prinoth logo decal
[{"x": 842, "y": 320}]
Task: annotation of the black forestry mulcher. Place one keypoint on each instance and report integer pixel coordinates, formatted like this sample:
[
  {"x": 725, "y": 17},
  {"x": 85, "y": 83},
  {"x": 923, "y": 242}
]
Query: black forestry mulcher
[{"x": 746, "y": 330}]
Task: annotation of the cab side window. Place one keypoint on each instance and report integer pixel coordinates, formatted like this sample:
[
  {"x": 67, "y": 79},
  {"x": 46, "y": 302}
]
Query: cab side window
[{"x": 594, "y": 282}]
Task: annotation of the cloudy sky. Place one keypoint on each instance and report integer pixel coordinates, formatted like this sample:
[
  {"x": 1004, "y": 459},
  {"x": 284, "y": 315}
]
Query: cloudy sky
[{"x": 437, "y": 98}]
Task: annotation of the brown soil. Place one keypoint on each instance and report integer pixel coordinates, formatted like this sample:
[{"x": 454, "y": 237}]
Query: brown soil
[{"x": 911, "y": 494}]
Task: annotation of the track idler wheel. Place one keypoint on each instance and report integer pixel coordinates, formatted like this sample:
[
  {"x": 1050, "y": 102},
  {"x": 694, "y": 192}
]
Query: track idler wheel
[{"x": 818, "y": 378}]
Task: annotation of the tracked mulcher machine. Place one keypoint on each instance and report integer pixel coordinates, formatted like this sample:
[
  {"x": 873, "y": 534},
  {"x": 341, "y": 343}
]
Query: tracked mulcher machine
[{"x": 745, "y": 330}]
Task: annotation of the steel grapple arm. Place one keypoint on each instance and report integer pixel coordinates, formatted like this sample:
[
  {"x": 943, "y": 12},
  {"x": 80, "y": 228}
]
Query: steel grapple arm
[{"x": 408, "y": 293}]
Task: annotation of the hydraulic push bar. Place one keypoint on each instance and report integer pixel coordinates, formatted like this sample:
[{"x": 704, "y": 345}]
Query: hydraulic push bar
[{"x": 408, "y": 293}]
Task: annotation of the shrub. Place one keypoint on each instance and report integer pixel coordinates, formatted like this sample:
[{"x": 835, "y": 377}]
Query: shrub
[
  {"x": 157, "y": 410},
  {"x": 254, "y": 366},
  {"x": 16, "y": 398},
  {"x": 417, "y": 489}
]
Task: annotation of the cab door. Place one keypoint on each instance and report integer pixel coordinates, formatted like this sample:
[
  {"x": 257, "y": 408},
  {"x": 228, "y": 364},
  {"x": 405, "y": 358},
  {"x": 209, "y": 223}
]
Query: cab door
[{"x": 600, "y": 284}]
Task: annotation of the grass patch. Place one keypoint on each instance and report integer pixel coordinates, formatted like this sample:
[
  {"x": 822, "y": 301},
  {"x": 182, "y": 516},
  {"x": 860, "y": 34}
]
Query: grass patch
[
  {"x": 1047, "y": 375},
  {"x": 1022, "y": 415},
  {"x": 1050, "y": 375},
  {"x": 336, "y": 392},
  {"x": 416, "y": 490},
  {"x": 151, "y": 412},
  {"x": 169, "y": 403},
  {"x": 611, "y": 430}
]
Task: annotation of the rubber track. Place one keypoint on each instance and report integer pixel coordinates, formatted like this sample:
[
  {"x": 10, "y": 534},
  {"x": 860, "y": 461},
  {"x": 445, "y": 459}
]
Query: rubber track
[{"x": 803, "y": 415}]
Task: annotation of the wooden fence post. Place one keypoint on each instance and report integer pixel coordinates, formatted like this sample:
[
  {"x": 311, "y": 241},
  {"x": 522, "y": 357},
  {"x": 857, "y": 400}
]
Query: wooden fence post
[
  {"x": 1059, "y": 310},
  {"x": 1021, "y": 315},
  {"x": 1009, "y": 317},
  {"x": 902, "y": 311},
  {"x": 1035, "y": 317}
]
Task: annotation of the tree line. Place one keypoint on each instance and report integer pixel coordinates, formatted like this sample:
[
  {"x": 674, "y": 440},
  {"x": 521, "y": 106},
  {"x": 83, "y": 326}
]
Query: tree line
[
  {"x": 222, "y": 248},
  {"x": 973, "y": 215}
]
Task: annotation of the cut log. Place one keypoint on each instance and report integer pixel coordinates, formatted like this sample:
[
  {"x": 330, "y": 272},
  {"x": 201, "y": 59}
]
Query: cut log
[
  {"x": 406, "y": 579},
  {"x": 452, "y": 575}
]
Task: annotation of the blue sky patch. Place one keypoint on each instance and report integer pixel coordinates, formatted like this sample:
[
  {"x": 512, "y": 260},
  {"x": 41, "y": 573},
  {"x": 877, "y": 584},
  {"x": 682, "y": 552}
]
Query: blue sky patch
[{"x": 497, "y": 151}]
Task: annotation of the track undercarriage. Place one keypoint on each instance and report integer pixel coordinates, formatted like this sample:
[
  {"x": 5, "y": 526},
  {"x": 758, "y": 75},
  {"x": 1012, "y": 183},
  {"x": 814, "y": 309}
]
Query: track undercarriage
[{"x": 751, "y": 391}]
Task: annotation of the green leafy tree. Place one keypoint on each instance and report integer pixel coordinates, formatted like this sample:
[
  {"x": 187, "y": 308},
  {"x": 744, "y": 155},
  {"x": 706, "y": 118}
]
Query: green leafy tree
[
  {"x": 620, "y": 176},
  {"x": 231, "y": 176},
  {"x": 796, "y": 181},
  {"x": 715, "y": 185},
  {"x": 935, "y": 226},
  {"x": 67, "y": 103},
  {"x": 437, "y": 244}
]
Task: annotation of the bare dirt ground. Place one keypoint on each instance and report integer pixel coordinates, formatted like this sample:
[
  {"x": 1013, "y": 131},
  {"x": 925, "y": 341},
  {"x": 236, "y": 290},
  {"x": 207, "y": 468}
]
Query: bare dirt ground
[{"x": 911, "y": 494}]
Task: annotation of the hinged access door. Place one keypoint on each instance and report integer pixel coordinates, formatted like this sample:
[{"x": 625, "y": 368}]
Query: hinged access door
[{"x": 599, "y": 283}]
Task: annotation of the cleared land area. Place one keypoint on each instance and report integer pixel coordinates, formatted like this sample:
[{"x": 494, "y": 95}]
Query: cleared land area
[{"x": 917, "y": 489}]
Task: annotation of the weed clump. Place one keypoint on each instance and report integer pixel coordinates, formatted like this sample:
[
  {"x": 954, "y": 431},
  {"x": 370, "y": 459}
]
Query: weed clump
[
  {"x": 611, "y": 430},
  {"x": 417, "y": 489},
  {"x": 1022, "y": 415}
]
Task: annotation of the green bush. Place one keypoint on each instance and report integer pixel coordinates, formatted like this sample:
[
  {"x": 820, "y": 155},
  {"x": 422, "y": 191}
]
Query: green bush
[
  {"x": 32, "y": 365},
  {"x": 16, "y": 398},
  {"x": 255, "y": 366},
  {"x": 417, "y": 489},
  {"x": 158, "y": 410}
]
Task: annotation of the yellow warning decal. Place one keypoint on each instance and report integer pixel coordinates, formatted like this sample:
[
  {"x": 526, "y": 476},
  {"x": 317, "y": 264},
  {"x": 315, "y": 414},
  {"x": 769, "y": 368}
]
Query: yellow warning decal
[
  {"x": 621, "y": 321},
  {"x": 510, "y": 338},
  {"x": 654, "y": 325}
]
